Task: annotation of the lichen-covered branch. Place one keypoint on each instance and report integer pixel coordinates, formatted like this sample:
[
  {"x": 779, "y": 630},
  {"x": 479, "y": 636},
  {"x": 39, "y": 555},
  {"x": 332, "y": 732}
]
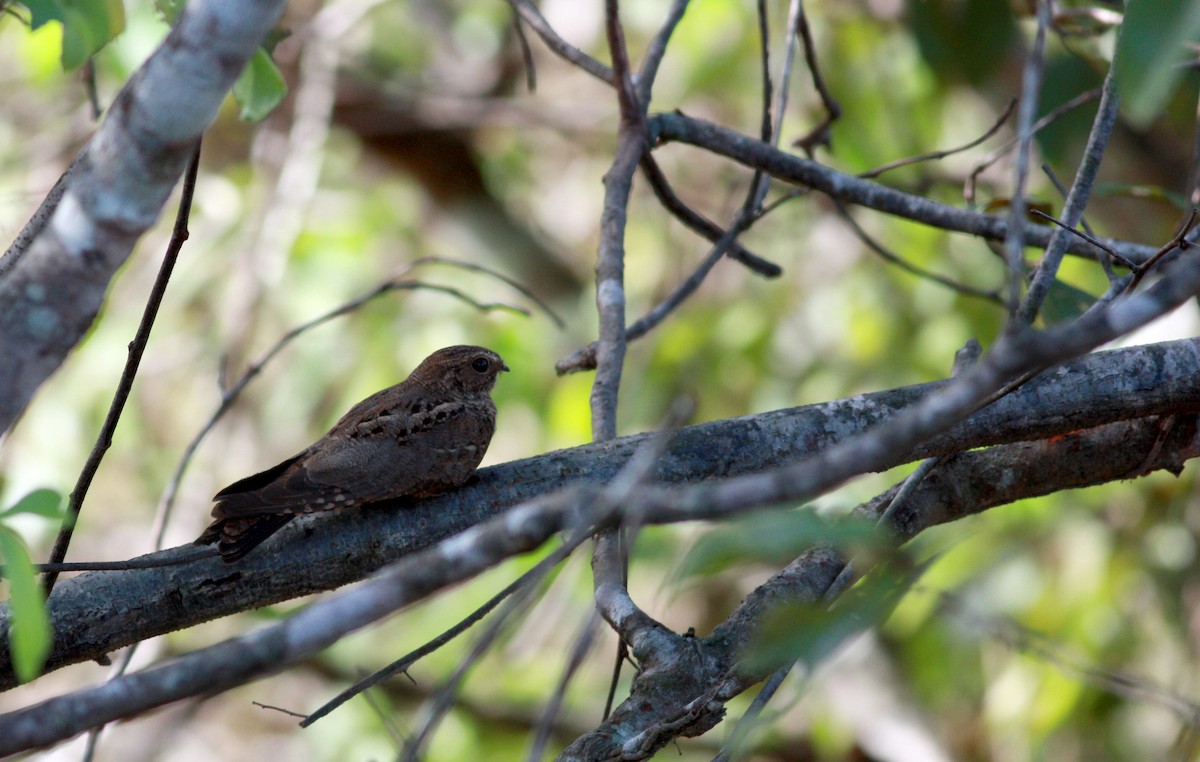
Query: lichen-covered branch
[{"x": 52, "y": 289}]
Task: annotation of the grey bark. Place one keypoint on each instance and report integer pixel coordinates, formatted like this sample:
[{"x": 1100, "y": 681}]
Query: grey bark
[
  {"x": 327, "y": 552},
  {"x": 53, "y": 283},
  {"x": 853, "y": 190}
]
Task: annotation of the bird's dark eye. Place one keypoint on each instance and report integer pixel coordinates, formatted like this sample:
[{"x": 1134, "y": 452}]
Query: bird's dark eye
[{"x": 480, "y": 364}]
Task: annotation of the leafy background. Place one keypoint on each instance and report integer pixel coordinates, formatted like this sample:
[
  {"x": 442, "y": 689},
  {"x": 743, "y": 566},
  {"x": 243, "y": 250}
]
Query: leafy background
[{"x": 986, "y": 658}]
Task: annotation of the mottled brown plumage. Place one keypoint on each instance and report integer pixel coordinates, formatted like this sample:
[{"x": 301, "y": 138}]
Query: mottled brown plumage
[{"x": 421, "y": 437}]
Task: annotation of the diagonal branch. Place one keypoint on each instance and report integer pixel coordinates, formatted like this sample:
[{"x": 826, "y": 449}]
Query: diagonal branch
[
  {"x": 136, "y": 349},
  {"x": 783, "y": 166},
  {"x": 53, "y": 289},
  {"x": 332, "y": 551},
  {"x": 1077, "y": 198}
]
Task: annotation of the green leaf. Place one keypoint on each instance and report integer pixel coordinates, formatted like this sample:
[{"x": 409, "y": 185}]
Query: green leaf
[
  {"x": 774, "y": 537},
  {"x": 1154, "y": 40},
  {"x": 1065, "y": 302},
  {"x": 42, "y": 502},
  {"x": 29, "y": 626},
  {"x": 810, "y": 633},
  {"x": 88, "y": 25},
  {"x": 260, "y": 87}
]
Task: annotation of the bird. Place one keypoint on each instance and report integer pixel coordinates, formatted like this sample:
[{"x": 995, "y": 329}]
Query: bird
[{"x": 421, "y": 437}]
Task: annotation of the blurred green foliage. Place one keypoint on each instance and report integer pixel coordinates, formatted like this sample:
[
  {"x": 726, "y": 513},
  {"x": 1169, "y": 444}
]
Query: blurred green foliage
[
  {"x": 29, "y": 635},
  {"x": 986, "y": 655}
]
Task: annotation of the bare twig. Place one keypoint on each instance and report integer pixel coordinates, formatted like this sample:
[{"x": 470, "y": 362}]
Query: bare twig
[
  {"x": 800, "y": 171},
  {"x": 655, "y": 52},
  {"x": 1192, "y": 189},
  {"x": 819, "y": 135},
  {"x": 401, "y": 665},
  {"x": 279, "y": 709},
  {"x": 1180, "y": 242},
  {"x": 699, "y": 223},
  {"x": 530, "y": 14},
  {"x": 945, "y": 152},
  {"x": 127, "y": 565},
  {"x": 512, "y": 283},
  {"x": 588, "y": 357},
  {"x": 889, "y": 256},
  {"x": 545, "y": 725},
  {"x": 1077, "y": 198},
  {"x": 1031, "y": 85},
  {"x": 437, "y": 706},
  {"x": 526, "y": 53},
  {"x": 1089, "y": 238},
  {"x": 137, "y": 348},
  {"x": 1054, "y": 115},
  {"x": 585, "y": 359},
  {"x": 737, "y": 737}
]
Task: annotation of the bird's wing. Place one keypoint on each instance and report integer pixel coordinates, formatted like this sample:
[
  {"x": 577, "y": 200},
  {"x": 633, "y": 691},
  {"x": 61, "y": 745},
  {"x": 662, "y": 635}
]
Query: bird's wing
[{"x": 376, "y": 451}]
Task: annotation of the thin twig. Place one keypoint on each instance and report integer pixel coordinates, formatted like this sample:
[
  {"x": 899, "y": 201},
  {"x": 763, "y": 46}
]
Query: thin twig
[
  {"x": 587, "y": 358},
  {"x": 618, "y": 663},
  {"x": 279, "y": 709},
  {"x": 767, "y": 123},
  {"x": 1192, "y": 189},
  {"x": 88, "y": 73},
  {"x": 1179, "y": 242},
  {"x": 1105, "y": 262},
  {"x": 526, "y": 53},
  {"x": 137, "y": 348},
  {"x": 737, "y": 736},
  {"x": 791, "y": 41},
  {"x": 931, "y": 156},
  {"x": 920, "y": 272},
  {"x": 1031, "y": 85},
  {"x": 545, "y": 725},
  {"x": 530, "y": 14},
  {"x": 1054, "y": 115},
  {"x": 655, "y": 52},
  {"x": 1077, "y": 198},
  {"x": 1050, "y": 174},
  {"x": 512, "y": 283},
  {"x": 387, "y": 719},
  {"x": 819, "y": 135},
  {"x": 401, "y": 665},
  {"x": 440, "y": 703},
  {"x": 945, "y": 152},
  {"x": 131, "y": 564},
  {"x": 699, "y": 223},
  {"x": 1089, "y": 238}
]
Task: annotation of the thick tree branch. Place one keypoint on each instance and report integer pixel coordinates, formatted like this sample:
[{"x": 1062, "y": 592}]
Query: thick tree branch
[
  {"x": 685, "y": 692},
  {"x": 973, "y": 482},
  {"x": 326, "y": 553},
  {"x": 685, "y": 681},
  {"x": 52, "y": 290}
]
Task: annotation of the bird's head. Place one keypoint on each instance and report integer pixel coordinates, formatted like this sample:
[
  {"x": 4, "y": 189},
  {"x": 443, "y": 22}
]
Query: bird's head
[{"x": 461, "y": 368}]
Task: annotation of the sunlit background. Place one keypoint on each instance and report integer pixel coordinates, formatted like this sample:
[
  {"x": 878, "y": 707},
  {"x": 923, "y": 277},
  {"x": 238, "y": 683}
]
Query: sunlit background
[{"x": 437, "y": 148}]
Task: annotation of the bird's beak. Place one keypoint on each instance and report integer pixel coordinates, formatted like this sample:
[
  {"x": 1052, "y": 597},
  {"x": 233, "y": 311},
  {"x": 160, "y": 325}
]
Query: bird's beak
[{"x": 504, "y": 367}]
